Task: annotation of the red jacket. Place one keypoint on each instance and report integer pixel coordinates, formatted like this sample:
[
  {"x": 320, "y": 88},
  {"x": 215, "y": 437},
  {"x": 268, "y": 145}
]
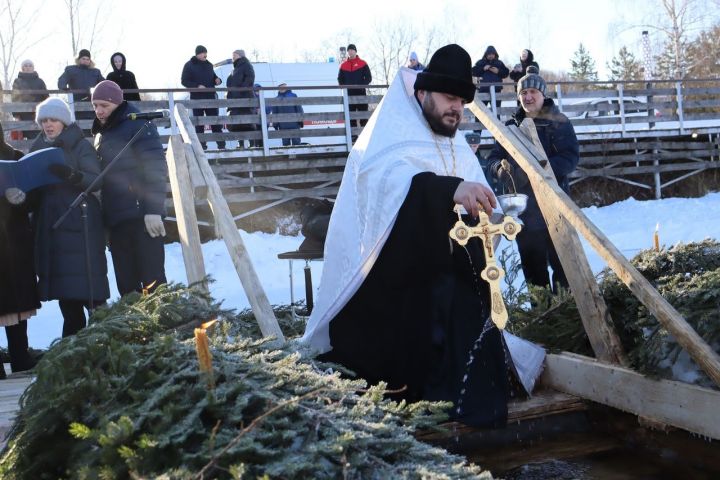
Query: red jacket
[{"x": 355, "y": 72}]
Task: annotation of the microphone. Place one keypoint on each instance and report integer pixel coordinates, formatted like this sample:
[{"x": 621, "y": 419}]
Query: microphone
[{"x": 149, "y": 115}]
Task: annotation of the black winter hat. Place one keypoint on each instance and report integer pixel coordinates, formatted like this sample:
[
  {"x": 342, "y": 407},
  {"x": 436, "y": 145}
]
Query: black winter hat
[
  {"x": 531, "y": 80},
  {"x": 449, "y": 71},
  {"x": 84, "y": 53},
  {"x": 200, "y": 49},
  {"x": 352, "y": 47}
]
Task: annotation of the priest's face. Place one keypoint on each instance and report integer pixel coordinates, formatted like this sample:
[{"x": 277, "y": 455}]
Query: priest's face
[{"x": 442, "y": 111}]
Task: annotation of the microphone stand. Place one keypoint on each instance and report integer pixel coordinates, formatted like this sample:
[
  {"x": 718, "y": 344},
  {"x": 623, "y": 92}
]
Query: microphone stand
[{"x": 81, "y": 200}]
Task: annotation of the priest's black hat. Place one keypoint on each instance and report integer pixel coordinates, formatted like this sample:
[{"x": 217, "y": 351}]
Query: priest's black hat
[{"x": 449, "y": 71}]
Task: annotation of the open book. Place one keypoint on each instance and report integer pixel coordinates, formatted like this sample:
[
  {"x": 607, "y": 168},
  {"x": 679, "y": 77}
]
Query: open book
[{"x": 31, "y": 171}]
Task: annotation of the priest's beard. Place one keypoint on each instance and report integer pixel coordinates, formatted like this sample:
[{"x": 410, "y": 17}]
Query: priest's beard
[{"x": 435, "y": 117}]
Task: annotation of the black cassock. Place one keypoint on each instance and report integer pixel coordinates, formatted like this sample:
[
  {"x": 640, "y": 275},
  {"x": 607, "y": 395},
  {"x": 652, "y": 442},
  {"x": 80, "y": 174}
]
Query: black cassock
[{"x": 414, "y": 320}]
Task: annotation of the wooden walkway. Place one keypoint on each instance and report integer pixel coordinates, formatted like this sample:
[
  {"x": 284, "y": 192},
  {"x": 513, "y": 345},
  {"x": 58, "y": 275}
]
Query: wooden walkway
[{"x": 10, "y": 391}]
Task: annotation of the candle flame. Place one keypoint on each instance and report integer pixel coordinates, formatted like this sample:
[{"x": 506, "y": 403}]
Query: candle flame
[
  {"x": 209, "y": 324},
  {"x": 657, "y": 226}
]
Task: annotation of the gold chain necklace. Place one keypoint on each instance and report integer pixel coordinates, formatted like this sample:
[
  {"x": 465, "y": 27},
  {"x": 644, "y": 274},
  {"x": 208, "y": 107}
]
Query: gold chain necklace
[{"x": 442, "y": 157}]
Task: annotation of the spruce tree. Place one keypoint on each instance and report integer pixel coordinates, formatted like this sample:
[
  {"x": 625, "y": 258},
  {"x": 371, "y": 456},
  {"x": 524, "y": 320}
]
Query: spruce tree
[
  {"x": 703, "y": 54},
  {"x": 624, "y": 66},
  {"x": 669, "y": 65},
  {"x": 583, "y": 66}
]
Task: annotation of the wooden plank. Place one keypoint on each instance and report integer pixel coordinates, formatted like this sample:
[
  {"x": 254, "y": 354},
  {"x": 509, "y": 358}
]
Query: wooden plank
[
  {"x": 591, "y": 305},
  {"x": 668, "y": 317},
  {"x": 276, "y": 165},
  {"x": 678, "y": 404},
  {"x": 234, "y": 242},
  {"x": 281, "y": 194},
  {"x": 280, "y": 180},
  {"x": 183, "y": 200}
]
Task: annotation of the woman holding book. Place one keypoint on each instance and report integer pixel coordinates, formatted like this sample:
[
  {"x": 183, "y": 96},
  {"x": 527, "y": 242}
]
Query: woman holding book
[
  {"x": 70, "y": 258},
  {"x": 18, "y": 285}
]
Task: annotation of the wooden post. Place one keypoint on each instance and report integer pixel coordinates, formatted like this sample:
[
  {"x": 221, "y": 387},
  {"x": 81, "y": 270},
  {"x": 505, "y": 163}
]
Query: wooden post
[
  {"x": 184, "y": 202},
  {"x": 346, "y": 113},
  {"x": 234, "y": 242},
  {"x": 668, "y": 317},
  {"x": 591, "y": 305}
]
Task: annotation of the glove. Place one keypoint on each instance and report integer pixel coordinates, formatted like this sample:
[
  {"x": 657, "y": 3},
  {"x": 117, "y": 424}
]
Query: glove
[
  {"x": 63, "y": 172},
  {"x": 154, "y": 226},
  {"x": 14, "y": 195}
]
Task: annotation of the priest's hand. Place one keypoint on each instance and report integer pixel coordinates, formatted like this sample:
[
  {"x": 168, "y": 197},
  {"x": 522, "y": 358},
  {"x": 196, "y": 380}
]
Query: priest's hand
[
  {"x": 470, "y": 194},
  {"x": 14, "y": 195},
  {"x": 154, "y": 226}
]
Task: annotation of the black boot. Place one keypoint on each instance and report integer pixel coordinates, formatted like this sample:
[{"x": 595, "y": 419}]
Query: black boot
[{"x": 20, "y": 359}]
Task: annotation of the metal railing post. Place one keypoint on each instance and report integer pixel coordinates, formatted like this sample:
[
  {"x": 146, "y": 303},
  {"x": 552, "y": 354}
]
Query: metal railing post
[
  {"x": 681, "y": 115},
  {"x": 622, "y": 109},
  {"x": 263, "y": 124},
  {"x": 558, "y": 94},
  {"x": 346, "y": 111}
]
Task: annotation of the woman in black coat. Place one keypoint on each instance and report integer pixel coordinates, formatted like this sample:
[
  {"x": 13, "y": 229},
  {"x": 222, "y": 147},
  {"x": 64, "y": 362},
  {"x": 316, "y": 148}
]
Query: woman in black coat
[
  {"x": 18, "y": 284},
  {"x": 124, "y": 78},
  {"x": 60, "y": 254}
]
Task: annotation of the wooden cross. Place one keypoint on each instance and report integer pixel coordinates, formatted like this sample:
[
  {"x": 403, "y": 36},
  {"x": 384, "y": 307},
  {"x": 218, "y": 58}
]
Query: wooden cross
[{"x": 487, "y": 231}]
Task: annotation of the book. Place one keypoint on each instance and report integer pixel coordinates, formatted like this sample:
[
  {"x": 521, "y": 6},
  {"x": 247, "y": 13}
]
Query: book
[{"x": 31, "y": 171}]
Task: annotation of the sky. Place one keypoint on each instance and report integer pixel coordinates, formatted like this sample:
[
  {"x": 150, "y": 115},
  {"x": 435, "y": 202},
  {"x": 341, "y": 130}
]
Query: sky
[
  {"x": 632, "y": 234},
  {"x": 159, "y": 36}
]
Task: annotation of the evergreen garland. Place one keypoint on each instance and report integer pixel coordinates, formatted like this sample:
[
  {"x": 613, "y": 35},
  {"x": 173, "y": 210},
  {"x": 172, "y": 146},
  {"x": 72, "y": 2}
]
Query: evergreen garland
[
  {"x": 125, "y": 398},
  {"x": 687, "y": 276}
]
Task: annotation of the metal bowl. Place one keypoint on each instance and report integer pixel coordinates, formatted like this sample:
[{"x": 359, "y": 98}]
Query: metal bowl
[{"x": 513, "y": 204}]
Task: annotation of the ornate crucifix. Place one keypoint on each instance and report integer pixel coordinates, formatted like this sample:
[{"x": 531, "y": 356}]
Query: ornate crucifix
[{"x": 492, "y": 273}]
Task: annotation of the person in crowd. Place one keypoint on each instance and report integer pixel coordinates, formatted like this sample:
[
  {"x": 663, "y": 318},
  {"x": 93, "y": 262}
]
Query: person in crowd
[
  {"x": 133, "y": 190},
  {"x": 242, "y": 76},
  {"x": 397, "y": 303},
  {"x": 414, "y": 63},
  {"x": 123, "y": 77},
  {"x": 286, "y": 93},
  {"x": 28, "y": 79},
  {"x": 18, "y": 285},
  {"x": 70, "y": 264},
  {"x": 355, "y": 71},
  {"x": 558, "y": 139},
  {"x": 490, "y": 70},
  {"x": 527, "y": 59},
  {"x": 82, "y": 76},
  {"x": 198, "y": 72}
]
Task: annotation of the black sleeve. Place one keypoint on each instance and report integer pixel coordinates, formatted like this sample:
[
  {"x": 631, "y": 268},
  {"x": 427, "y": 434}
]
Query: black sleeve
[{"x": 152, "y": 174}]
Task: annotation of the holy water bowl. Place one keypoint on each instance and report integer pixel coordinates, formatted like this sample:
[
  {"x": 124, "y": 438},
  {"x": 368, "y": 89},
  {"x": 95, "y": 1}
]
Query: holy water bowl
[{"x": 513, "y": 204}]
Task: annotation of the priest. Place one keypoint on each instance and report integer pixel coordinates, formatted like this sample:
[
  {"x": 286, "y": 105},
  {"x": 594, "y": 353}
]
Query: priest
[{"x": 400, "y": 302}]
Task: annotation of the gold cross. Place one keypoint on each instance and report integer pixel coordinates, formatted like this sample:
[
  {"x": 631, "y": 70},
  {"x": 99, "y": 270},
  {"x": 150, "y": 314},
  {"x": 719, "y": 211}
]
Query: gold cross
[{"x": 487, "y": 231}]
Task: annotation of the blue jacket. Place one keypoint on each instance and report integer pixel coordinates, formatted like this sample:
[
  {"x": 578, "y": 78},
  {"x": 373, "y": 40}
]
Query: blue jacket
[
  {"x": 197, "y": 73},
  {"x": 135, "y": 186},
  {"x": 79, "y": 77},
  {"x": 60, "y": 253},
  {"x": 487, "y": 76},
  {"x": 277, "y": 109},
  {"x": 558, "y": 139}
]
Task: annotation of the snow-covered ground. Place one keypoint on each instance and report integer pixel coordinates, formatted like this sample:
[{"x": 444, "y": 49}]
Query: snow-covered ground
[{"x": 629, "y": 225}]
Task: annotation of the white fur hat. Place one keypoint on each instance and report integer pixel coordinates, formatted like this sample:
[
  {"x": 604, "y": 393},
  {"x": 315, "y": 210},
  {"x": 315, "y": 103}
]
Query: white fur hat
[{"x": 54, "y": 108}]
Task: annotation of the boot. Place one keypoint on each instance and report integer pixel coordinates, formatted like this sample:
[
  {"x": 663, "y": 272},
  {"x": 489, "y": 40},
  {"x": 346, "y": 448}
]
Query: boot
[{"x": 20, "y": 359}]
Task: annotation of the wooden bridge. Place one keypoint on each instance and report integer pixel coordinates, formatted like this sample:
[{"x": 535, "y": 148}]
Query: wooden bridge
[{"x": 646, "y": 135}]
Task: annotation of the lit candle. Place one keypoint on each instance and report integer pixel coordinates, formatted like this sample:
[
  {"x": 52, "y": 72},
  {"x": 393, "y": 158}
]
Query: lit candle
[
  {"x": 146, "y": 288},
  {"x": 202, "y": 348},
  {"x": 656, "y": 238}
]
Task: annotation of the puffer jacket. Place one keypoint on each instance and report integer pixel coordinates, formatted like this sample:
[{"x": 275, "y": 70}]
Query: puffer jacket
[
  {"x": 558, "y": 139},
  {"x": 124, "y": 78}
]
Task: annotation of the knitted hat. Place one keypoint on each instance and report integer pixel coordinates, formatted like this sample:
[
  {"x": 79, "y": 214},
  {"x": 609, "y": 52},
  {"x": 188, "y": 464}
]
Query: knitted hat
[
  {"x": 54, "y": 108},
  {"x": 27, "y": 63},
  {"x": 200, "y": 49},
  {"x": 531, "y": 80},
  {"x": 352, "y": 47},
  {"x": 449, "y": 71},
  {"x": 109, "y": 91},
  {"x": 84, "y": 53},
  {"x": 240, "y": 52},
  {"x": 413, "y": 56}
]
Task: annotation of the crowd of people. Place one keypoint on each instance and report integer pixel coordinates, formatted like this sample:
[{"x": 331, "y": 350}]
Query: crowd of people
[{"x": 54, "y": 252}]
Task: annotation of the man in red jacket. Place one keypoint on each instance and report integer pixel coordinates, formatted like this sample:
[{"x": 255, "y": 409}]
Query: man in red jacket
[{"x": 355, "y": 71}]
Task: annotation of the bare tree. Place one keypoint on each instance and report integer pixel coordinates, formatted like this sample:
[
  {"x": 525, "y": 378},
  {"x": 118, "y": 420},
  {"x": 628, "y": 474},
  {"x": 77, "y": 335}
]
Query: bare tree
[
  {"x": 86, "y": 22},
  {"x": 15, "y": 38},
  {"x": 392, "y": 42}
]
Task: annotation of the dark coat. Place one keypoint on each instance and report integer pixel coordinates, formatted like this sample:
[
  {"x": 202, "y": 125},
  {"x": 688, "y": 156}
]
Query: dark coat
[
  {"x": 135, "y": 186},
  {"x": 278, "y": 109},
  {"x": 355, "y": 72},
  {"x": 28, "y": 81},
  {"x": 487, "y": 76},
  {"x": 18, "y": 284},
  {"x": 124, "y": 78},
  {"x": 60, "y": 259},
  {"x": 197, "y": 73},
  {"x": 558, "y": 139},
  {"x": 515, "y": 76},
  {"x": 242, "y": 76},
  {"x": 414, "y": 319},
  {"x": 80, "y": 77}
]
